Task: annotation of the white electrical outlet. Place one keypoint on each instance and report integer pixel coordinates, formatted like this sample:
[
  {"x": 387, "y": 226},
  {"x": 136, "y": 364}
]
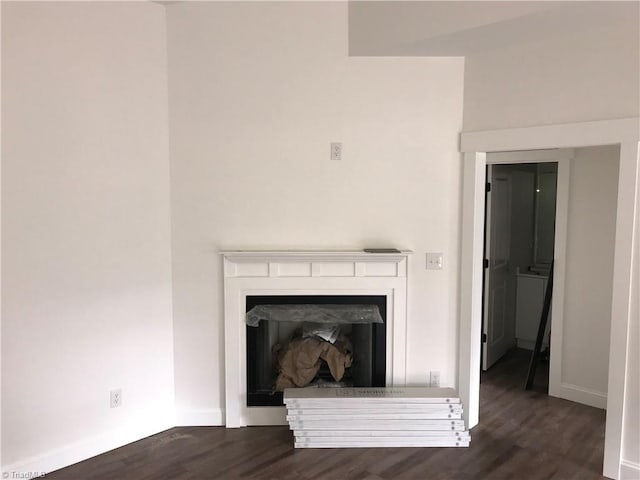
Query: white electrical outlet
[
  {"x": 115, "y": 397},
  {"x": 336, "y": 151},
  {"x": 434, "y": 378}
]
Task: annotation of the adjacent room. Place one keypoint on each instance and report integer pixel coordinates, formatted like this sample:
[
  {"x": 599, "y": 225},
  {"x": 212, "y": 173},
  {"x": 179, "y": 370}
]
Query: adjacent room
[{"x": 190, "y": 189}]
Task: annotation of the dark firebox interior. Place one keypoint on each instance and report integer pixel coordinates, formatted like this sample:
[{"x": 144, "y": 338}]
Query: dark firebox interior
[{"x": 368, "y": 340}]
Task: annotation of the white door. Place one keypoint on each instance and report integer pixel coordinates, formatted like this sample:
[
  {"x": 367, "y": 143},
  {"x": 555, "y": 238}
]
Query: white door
[{"x": 498, "y": 332}]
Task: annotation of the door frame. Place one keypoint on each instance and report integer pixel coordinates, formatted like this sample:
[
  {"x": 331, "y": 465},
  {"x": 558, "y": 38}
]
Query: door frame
[
  {"x": 474, "y": 145},
  {"x": 561, "y": 156}
]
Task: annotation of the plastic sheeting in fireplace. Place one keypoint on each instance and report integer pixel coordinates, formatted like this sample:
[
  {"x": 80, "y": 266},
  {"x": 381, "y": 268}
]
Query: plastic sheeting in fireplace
[{"x": 314, "y": 313}]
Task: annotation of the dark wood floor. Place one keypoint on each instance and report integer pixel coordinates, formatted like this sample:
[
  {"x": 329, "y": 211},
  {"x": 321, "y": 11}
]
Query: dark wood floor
[{"x": 522, "y": 435}]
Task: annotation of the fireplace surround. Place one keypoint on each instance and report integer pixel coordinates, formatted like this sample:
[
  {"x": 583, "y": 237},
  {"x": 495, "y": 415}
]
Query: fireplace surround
[{"x": 251, "y": 275}]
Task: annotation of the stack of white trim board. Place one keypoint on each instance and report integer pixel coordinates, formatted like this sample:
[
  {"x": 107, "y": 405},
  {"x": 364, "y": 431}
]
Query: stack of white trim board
[{"x": 375, "y": 417}]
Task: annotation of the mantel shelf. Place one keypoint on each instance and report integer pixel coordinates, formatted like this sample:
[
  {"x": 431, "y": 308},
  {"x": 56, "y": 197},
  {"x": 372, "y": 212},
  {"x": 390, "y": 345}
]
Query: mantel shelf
[{"x": 313, "y": 256}]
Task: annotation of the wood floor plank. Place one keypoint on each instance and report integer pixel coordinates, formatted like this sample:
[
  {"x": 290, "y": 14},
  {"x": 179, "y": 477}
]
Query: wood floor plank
[{"x": 522, "y": 435}]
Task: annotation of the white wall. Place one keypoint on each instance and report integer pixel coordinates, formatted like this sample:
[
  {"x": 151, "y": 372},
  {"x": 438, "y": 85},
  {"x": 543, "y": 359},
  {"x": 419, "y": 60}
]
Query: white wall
[
  {"x": 593, "y": 190},
  {"x": 257, "y": 93},
  {"x": 86, "y": 238},
  {"x": 522, "y": 216},
  {"x": 588, "y": 74}
]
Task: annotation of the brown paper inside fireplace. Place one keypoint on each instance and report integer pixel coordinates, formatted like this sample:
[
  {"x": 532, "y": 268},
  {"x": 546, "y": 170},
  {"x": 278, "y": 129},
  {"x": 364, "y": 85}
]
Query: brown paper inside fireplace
[{"x": 299, "y": 362}]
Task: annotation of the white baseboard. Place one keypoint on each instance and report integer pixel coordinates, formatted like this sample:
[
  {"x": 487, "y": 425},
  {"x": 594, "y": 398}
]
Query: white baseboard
[
  {"x": 629, "y": 470},
  {"x": 586, "y": 396},
  {"x": 76, "y": 452},
  {"x": 210, "y": 417}
]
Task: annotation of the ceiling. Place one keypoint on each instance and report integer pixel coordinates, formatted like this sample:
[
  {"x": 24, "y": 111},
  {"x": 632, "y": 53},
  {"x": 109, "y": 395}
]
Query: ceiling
[{"x": 459, "y": 28}]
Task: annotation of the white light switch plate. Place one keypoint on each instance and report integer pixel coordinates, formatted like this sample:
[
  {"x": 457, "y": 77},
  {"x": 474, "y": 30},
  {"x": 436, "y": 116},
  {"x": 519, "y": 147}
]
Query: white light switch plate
[{"x": 435, "y": 261}]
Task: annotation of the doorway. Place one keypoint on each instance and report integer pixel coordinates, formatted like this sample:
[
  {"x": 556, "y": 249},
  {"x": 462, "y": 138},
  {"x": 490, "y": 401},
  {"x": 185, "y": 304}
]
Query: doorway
[
  {"x": 519, "y": 249},
  {"x": 622, "y": 132}
]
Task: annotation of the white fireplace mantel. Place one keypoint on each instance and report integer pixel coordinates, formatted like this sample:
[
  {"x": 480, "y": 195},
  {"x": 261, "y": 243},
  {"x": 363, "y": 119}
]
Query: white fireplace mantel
[
  {"x": 248, "y": 273},
  {"x": 312, "y": 257}
]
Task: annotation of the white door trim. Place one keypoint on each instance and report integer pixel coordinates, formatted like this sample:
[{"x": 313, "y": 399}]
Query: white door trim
[
  {"x": 624, "y": 132},
  {"x": 559, "y": 278}
]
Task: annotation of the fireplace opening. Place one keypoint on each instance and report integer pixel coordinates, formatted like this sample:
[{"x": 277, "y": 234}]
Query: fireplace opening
[{"x": 344, "y": 332}]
